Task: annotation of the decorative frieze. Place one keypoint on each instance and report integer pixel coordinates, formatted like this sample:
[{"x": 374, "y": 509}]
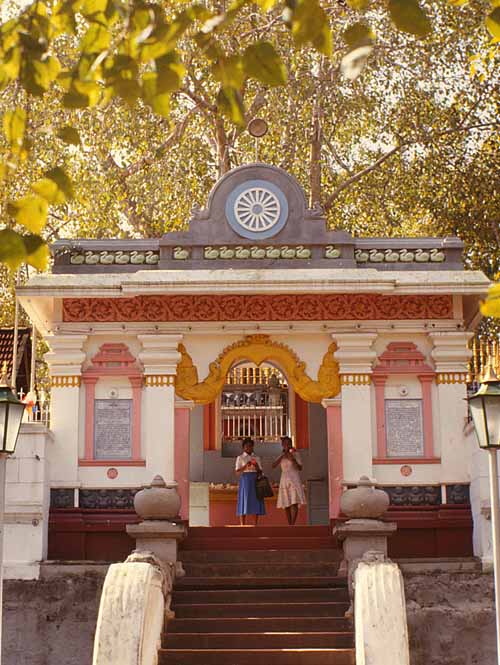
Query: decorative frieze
[
  {"x": 255, "y": 252},
  {"x": 355, "y": 379},
  {"x": 399, "y": 256},
  {"x": 300, "y": 307},
  {"x": 62, "y": 497},
  {"x": 159, "y": 380},
  {"x": 414, "y": 495},
  {"x": 65, "y": 381},
  {"x": 458, "y": 494},
  {"x": 107, "y": 499},
  {"x": 452, "y": 377},
  {"x": 117, "y": 257}
]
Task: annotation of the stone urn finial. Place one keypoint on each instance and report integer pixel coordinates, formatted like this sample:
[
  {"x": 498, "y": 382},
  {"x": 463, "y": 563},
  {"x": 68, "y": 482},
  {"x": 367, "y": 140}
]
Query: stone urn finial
[
  {"x": 364, "y": 501},
  {"x": 159, "y": 501}
]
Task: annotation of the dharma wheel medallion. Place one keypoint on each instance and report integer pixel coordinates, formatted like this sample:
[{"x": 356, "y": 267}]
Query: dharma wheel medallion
[{"x": 257, "y": 209}]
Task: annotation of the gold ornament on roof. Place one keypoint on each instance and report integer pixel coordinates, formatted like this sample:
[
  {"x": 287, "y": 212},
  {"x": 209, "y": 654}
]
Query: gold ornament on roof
[{"x": 257, "y": 349}]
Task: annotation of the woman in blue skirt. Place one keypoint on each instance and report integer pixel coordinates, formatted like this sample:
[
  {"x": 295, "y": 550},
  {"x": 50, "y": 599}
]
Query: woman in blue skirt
[{"x": 247, "y": 467}]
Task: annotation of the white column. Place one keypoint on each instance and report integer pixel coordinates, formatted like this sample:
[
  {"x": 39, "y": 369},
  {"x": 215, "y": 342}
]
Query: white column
[
  {"x": 159, "y": 357},
  {"x": 356, "y": 356},
  {"x": 451, "y": 361},
  {"x": 65, "y": 360}
]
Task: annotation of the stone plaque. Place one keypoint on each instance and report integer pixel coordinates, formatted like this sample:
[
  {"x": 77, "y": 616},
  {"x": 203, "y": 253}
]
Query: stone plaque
[
  {"x": 113, "y": 428},
  {"x": 404, "y": 428}
]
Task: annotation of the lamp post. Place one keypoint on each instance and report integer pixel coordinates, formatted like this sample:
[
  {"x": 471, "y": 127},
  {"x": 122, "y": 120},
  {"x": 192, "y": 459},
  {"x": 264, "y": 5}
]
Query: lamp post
[
  {"x": 485, "y": 411},
  {"x": 11, "y": 415}
]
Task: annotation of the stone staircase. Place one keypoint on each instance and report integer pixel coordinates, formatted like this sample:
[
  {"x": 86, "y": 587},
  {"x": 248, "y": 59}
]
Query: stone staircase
[{"x": 259, "y": 596}]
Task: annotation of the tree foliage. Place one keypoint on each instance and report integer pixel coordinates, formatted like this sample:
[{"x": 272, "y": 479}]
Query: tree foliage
[{"x": 118, "y": 116}]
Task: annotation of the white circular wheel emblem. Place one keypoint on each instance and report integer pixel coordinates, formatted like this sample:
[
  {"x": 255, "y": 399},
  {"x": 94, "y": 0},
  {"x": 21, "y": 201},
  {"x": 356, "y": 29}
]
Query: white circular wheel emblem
[{"x": 257, "y": 209}]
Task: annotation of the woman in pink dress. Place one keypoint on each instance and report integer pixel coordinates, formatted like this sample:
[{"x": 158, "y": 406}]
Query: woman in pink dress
[{"x": 291, "y": 493}]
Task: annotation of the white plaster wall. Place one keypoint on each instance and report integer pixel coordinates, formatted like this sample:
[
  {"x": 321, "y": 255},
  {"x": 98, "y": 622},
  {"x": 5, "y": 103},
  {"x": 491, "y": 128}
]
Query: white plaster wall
[
  {"x": 422, "y": 474},
  {"x": 357, "y": 432},
  {"x": 27, "y": 503},
  {"x": 451, "y": 414},
  {"x": 67, "y": 423},
  {"x": 480, "y": 499}
]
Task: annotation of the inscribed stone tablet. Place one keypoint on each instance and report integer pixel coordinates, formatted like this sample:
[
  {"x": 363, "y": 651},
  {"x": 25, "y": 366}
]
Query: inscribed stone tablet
[
  {"x": 404, "y": 428},
  {"x": 113, "y": 428}
]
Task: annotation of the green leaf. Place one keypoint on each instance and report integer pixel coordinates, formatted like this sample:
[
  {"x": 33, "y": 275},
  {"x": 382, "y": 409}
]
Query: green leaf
[
  {"x": 358, "y": 34},
  {"x": 14, "y": 125},
  {"x": 358, "y": 5},
  {"x": 12, "y": 248},
  {"x": 82, "y": 94},
  {"x": 170, "y": 73},
  {"x": 158, "y": 100},
  {"x": 63, "y": 182},
  {"x": 493, "y": 23},
  {"x": 266, "y": 5},
  {"x": 229, "y": 71},
  {"x": 309, "y": 23},
  {"x": 91, "y": 7},
  {"x": 10, "y": 64},
  {"x": 491, "y": 306},
  {"x": 408, "y": 16},
  {"x": 231, "y": 104},
  {"x": 37, "y": 252},
  {"x": 45, "y": 71},
  {"x": 263, "y": 63},
  {"x": 30, "y": 211},
  {"x": 69, "y": 135},
  {"x": 95, "y": 40}
]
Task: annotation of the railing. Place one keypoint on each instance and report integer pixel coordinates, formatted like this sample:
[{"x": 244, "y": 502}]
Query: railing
[{"x": 266, "y": 422}]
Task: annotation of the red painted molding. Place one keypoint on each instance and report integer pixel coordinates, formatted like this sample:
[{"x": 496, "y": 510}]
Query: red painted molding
[
  {"x": 113, "y": 462},
  {"x": 315, "y": 307},
  {"x": 406, "y": 460}
]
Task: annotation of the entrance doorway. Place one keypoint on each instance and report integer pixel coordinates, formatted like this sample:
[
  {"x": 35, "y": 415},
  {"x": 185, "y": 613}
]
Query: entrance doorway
[{"x": 256, "y": 401}]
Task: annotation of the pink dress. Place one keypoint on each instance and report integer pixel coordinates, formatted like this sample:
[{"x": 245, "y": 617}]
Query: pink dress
[{"x": 291, "y": 490}]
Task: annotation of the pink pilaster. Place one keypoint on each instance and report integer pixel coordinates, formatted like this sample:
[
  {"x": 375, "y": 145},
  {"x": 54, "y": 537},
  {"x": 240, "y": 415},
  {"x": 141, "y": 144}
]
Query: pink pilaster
[
  {"x": 181, "y": 454},
  {"x": 136, "y": 383},
  {"x": 335, "y": 456},
  {"x": 426, "y": 381},
  {"x": 379, "y": 381},
  {"x": 89, "y": 383}
]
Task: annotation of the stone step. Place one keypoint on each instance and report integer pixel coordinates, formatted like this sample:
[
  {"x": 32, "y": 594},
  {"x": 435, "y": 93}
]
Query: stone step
[
  {"x": 261, "y": 556},
  {"x": 204, "y": 583},
  {"x": 258, "y": 624},
  {"x": 276, "y": 640},
  {"x": 254, "y": 531},
  {"x": 227, "y": 596},
  {"x": 257, "y": 657},
  {"x": 258, "y": 570},
  {"x": 260, "y": 543},
  {"x": 270, "y": 609}
]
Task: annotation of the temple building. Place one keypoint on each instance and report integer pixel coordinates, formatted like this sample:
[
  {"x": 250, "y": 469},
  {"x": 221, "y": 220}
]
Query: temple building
[{"x": 257, "y": 321}]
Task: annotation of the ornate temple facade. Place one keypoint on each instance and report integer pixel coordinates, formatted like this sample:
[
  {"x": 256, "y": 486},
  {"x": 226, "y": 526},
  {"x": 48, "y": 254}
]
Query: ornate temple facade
[{"x": 256, "y": 321}]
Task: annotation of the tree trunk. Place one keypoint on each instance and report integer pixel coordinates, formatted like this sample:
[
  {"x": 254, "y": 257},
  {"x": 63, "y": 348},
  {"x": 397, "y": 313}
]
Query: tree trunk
[
  {"x": 222, "y": 147},
  {"x": 315, "y": 160}
]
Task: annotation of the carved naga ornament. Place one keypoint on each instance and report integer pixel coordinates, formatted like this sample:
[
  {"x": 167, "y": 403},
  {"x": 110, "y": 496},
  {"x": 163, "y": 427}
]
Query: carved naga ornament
[{"x": 257, "y": 349}]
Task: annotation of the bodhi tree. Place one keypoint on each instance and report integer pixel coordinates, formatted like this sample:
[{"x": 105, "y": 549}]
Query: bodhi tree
[{"x": 117, "y": 116}]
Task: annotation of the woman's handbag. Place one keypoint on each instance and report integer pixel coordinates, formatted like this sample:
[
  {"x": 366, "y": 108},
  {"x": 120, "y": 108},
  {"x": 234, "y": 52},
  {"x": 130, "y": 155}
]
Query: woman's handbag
[{"x": 263, "y": 487}]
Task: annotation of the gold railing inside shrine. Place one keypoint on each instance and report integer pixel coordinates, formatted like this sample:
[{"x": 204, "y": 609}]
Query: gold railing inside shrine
[{"x": 485, "y": 352}]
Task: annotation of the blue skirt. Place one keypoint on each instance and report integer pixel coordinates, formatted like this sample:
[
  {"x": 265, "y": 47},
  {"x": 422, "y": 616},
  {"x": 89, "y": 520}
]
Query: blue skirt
[{"x": 248, "y": 503}]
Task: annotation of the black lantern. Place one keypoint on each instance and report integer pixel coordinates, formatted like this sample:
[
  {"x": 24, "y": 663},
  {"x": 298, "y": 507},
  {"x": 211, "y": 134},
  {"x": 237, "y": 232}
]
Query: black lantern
[
  {"x": 11, "y": 415},
  {"x": 485, "y": 411}
]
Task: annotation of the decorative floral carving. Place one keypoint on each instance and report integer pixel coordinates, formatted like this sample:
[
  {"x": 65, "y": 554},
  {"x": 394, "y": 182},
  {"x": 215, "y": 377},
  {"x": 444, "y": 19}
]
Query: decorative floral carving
[
  {"x": 301, "y": 307},
  {"x": 123, "y": 498},
  {"x": 62, "y": 497},
  {"x": 458, "y": 493},
  {"x": 258, "y": 349}
]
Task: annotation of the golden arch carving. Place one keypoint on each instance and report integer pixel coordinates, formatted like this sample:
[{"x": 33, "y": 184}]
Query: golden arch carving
[{"x": 257, "y": 349}]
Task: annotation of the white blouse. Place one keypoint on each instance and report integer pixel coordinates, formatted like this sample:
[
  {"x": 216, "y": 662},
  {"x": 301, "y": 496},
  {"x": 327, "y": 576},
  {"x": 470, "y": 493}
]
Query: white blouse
[{"x": 243, "y": 459}]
